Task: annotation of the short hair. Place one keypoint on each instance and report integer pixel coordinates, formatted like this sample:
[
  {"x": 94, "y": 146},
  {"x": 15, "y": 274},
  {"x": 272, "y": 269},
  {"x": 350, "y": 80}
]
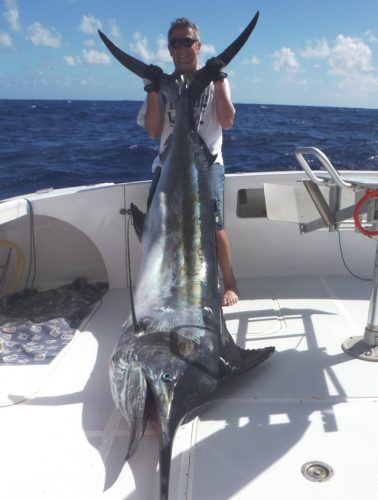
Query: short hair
[{"x": 183, "y": 22}]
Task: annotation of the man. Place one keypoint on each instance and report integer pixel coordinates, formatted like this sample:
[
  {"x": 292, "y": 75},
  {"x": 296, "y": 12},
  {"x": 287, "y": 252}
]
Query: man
[{"x": 213, "y": 112}]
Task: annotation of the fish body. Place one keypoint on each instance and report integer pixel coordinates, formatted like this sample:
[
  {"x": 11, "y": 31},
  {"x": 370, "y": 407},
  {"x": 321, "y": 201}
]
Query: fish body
[{"x": 175, "y": 350}]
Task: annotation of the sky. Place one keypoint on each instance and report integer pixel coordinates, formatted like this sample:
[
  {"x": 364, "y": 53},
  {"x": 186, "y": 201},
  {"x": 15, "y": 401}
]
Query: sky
[{"x": 302, "y": 52}]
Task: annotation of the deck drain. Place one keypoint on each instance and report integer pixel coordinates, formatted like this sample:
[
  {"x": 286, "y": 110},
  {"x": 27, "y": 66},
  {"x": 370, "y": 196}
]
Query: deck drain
[{"x": 317, "y": 471}]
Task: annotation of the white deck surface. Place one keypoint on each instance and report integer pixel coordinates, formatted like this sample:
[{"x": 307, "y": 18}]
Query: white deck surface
[{"x": 309, "y": 401}]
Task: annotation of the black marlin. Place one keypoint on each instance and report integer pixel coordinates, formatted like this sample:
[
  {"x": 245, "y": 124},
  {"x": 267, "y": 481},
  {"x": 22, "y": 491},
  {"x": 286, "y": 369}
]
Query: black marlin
[{"x": 175, "y": 350}]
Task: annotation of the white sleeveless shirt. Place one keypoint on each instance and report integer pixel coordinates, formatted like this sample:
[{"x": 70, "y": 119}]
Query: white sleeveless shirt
[{"x": 206, "y": 119}]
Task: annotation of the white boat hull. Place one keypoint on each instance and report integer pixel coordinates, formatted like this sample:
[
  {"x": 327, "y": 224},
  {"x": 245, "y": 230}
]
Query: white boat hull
[{"x": 310, "y": 402}]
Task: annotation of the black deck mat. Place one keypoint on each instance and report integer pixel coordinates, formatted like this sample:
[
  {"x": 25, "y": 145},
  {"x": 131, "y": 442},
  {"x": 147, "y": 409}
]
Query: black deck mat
[{"x": 36, "y": 326}]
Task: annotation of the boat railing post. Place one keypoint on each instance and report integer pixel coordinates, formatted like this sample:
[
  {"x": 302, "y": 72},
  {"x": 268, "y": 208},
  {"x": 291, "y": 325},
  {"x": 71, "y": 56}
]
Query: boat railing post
[
  {"x": 366, "y": 346},
  {"x": 371, "y": 330}
]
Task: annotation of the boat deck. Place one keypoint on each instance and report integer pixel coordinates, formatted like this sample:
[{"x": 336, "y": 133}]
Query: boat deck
[{"x": 310, "y": 402}]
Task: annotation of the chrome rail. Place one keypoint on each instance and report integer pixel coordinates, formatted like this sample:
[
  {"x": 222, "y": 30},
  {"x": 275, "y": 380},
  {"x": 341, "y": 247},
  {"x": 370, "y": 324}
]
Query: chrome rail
[{"x": 299, "y": 154}]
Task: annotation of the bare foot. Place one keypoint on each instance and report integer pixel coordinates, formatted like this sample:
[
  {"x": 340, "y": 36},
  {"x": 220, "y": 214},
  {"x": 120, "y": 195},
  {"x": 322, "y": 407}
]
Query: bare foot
[{"x": 230, "y": 296}]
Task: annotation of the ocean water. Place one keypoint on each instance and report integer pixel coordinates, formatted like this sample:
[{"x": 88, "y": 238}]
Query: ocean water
[{"x": 67, "y": 143}]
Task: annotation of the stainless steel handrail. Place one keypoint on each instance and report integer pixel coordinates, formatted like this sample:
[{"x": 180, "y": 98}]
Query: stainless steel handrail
[{"x": 299, "y": 154}]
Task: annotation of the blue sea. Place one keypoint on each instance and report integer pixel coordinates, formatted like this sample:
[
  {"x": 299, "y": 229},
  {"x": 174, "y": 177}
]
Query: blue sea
[{"x": 67, "y": 143}]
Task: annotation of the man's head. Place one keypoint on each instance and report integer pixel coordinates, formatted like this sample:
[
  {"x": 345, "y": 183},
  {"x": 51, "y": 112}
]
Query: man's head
[{"x": 184, "y": 45}]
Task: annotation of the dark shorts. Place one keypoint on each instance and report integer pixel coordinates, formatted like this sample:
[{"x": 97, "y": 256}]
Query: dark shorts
[{"x": 217, "y": 190}]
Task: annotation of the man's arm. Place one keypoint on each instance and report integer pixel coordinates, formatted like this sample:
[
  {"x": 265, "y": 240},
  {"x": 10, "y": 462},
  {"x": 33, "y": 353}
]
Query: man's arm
[
  {"x": 153, "y": 120},
  {"x": 223, "y": 105}
]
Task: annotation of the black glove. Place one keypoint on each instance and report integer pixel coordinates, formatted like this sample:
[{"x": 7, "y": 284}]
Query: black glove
[
  {"x": 214, "y": 66},
  {"x": 153, "y": 75}
]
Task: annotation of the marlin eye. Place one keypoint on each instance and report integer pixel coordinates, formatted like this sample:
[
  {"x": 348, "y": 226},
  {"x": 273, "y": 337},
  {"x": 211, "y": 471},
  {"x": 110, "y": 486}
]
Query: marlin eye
[{"x": 167, "y": 377}]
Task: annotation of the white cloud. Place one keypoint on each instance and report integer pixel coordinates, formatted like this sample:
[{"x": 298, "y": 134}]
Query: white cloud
[
  {"x": 5, "y": 39},
  {"x": 115, "y": 32},
  {"x": 207, "y": 49},
  {"x": 350, "y": 60},
  {"x": 39, "y": 35},
  {"x": 162, "y": 55},
  {"x": 95, "y": 57},
  {"x": 88, "y": 56},
  {"x": 321, "y": 50},
  {"x": 359, "y": 85},
  {"x": 254, "y": 60},
  {"x": 348, "y": 55},
  {"x": 90, "y": 25},
  {"x": 71, "y": 60},
  {"x": 12, "y": 15},
  {"x": 140, "y": 47},
  {"x": 284, "y": 59},
  {"x": 90, "y": 42},
  {"x": 371, "y": 36}
]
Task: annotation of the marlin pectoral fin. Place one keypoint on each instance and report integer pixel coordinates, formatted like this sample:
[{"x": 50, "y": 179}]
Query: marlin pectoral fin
[
  {"x": 234, "y": 360},
  {"x": 139, "y": 218},
  {"x": 250, "y": 358},
  {"x": 243, "y": 360}
]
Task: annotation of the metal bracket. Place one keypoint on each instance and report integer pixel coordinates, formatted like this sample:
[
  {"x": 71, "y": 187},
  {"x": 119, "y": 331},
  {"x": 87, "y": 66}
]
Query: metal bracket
[{"x": 320, "y": 203}]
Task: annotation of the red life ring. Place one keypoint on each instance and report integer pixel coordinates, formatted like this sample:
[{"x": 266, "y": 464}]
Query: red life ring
[{"x": 356, "y": 213}]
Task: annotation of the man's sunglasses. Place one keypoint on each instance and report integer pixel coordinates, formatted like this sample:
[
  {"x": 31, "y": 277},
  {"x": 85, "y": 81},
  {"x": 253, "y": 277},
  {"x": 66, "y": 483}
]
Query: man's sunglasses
[{"x": 187, "y": 42}]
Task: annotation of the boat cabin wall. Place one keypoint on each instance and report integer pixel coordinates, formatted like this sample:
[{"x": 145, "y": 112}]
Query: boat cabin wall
[
  {"x": 262, "y": 247},
  {"x": 73, "y": 233},
  {"x": 83, "y": 232}
]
